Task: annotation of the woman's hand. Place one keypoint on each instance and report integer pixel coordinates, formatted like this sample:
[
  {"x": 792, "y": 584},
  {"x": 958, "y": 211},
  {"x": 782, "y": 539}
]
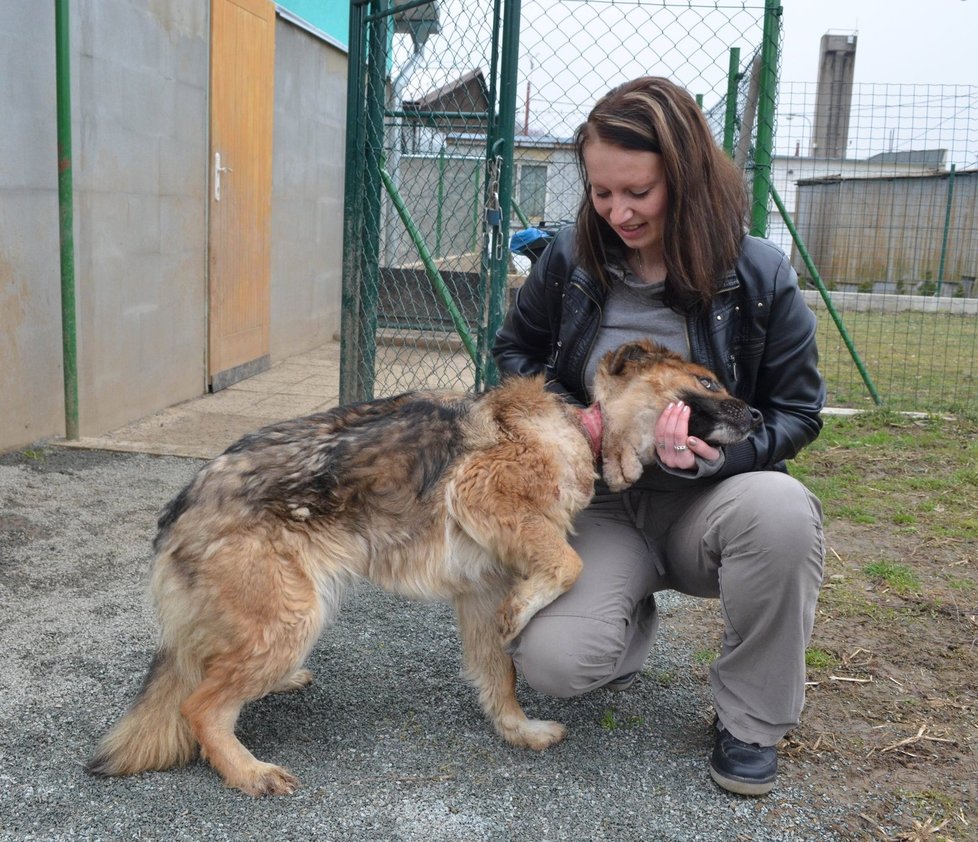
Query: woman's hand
[{"x": 673, "y": 444}]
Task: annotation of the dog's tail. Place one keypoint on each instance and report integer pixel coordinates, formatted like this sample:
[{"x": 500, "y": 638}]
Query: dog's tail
[{"x": 153, "y": 734}]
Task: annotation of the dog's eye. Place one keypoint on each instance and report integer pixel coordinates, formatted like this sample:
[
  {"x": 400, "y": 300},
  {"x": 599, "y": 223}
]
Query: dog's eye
[{"x": 709, "y": 384}]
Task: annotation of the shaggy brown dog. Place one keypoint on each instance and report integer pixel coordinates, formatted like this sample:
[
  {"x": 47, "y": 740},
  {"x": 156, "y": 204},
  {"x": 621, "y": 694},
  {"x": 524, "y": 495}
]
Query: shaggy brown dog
[{"x": 436, "y": 496}]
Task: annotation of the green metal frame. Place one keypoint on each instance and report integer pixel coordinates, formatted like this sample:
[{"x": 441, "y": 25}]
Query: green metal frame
[
  {"x": 370, "y": 39},
  {"x": 352, "y": 339},
  {"x": 442, "y": 292},
  {"x": 947, "y": 227},
  {"x": 500, "y": 149},
  {"x": 766, "y": 99},
  {"x": 730, "y": 112},
  {"x": 69, "y": 335}
]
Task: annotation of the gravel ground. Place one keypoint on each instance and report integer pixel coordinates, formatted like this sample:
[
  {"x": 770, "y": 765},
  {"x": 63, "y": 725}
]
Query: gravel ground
[{"x": 388, "y": 742}]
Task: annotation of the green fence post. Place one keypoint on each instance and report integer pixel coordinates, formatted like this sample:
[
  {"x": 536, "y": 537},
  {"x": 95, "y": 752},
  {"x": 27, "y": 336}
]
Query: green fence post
[
  {"x": 351, "y": 339},
  {"x": 947, "y": 225},
  {"x": 767, "y": 93},
  {"x": 69, "y": 336},
  {"x": 503, "y": 149},
  {"x": 730, "y": 111},
  {"x": 439, "y": 219},
  {"x": 476, "y": 204}
]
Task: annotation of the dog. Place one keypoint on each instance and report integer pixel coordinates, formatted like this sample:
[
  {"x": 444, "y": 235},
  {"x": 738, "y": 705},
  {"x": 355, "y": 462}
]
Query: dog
[{"x": 432, "y": 495}]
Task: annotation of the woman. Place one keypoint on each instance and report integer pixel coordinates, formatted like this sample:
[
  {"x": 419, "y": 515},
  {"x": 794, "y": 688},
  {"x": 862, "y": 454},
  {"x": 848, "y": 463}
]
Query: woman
[{"x": 659, "y": 250}]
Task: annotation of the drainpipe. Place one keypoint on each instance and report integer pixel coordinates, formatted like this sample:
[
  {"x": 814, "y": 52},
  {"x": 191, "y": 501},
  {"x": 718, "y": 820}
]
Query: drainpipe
[{"x": 69, "y": 338}]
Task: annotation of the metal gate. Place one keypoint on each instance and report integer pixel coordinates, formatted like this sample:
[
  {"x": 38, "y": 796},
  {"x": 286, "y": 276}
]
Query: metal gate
[{"x": 460, "y": 121}]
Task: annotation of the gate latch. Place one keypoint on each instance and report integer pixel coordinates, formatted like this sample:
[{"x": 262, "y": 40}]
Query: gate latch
[{"x": 494, "y": 215}]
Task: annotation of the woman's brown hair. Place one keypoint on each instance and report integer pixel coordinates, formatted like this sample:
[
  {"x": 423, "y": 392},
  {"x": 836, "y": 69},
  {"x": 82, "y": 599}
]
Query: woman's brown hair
[{"x": 707, "y": 198}]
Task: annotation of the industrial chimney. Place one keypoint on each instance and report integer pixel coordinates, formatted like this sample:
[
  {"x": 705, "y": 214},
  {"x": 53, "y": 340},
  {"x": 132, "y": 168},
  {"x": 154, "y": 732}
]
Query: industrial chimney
[{"x": 836, "y": 65}]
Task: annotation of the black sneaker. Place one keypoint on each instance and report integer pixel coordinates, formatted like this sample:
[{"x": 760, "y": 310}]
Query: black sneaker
[
  {"x": 744, "y": 768},
  {"x": 623, "y": 682}
]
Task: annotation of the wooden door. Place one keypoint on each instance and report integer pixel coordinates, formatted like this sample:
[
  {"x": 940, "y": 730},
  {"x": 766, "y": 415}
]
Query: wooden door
[{"x": 239, "y": 241}]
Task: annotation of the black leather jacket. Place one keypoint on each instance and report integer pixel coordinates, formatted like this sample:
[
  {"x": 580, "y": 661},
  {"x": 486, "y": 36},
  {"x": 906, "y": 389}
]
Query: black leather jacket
[{"x": 758, "y": 336}]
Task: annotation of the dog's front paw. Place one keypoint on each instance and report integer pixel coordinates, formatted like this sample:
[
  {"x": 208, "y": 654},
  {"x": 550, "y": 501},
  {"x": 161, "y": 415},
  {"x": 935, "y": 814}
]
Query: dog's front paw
[
  {"x": 266, "y": 779},
  {"x": 510, "y": 619},
  {"x": 621, "y": 470},
  {"x": 537, "y": 734}
]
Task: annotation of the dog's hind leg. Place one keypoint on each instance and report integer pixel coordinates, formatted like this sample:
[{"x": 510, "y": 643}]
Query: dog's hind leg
[
  {"x": 491, "y": 670},
  {"x": 212, "y": 711},
  {"x": 265, "y": 643}
]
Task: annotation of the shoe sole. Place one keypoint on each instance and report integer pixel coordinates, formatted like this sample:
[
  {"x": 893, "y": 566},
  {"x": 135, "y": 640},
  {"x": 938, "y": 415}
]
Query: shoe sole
[
  {"x": 620, "y": 686},
  {"x": 741, "y": 786}
]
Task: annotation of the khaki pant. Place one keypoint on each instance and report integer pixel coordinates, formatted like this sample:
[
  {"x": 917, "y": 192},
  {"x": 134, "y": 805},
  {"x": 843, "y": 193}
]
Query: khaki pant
[{"x": 754, "y": 541}]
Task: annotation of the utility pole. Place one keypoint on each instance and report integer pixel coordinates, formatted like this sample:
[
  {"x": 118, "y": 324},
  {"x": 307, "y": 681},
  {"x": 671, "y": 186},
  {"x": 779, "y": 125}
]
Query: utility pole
[{"x": 526, "y": 103}]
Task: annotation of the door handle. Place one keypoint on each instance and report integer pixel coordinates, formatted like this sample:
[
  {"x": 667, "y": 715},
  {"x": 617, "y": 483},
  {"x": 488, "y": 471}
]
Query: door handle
[{"x": 218, "y": 169}]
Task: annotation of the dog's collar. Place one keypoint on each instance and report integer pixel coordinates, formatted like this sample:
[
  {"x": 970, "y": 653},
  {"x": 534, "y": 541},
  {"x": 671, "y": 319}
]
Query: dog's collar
[{"x": 593, "y": 425}]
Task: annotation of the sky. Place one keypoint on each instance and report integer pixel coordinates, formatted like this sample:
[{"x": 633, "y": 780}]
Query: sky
[{"x": 908, "y": 41}]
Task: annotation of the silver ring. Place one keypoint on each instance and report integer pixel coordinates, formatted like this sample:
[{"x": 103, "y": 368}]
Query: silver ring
[{"x": 680, "y": 447}]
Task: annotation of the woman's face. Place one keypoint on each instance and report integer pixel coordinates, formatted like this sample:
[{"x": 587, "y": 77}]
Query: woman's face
[{"x": 628, "y": 190}]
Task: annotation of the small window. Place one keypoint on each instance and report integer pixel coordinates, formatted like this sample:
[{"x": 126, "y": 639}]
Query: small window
[{"x": 532, "y": 194}]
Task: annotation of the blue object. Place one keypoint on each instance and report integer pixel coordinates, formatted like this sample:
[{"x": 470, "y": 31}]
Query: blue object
[{"x": 530, "y": 242}]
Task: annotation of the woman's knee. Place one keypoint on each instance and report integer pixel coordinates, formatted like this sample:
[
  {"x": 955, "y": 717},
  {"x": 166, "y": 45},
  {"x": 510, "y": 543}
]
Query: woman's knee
[
  {"x": 777, "y": 525},
  {"x": 565, "y": 656},
  {"x": 775, "y": 508}
]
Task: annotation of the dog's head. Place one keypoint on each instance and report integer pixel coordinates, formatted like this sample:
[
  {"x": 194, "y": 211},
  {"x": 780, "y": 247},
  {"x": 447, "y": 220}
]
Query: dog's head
[{"x": 635, "y": 383}]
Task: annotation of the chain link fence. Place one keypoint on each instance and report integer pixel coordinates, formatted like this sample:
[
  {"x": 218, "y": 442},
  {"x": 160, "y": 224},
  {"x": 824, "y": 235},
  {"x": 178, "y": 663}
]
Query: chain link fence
[
  {"x": 878, "y": 188},
  {"x": 427, "y": 165},
  {"x": 882, "y": 186},
  {"x": 414, "y": 286}
]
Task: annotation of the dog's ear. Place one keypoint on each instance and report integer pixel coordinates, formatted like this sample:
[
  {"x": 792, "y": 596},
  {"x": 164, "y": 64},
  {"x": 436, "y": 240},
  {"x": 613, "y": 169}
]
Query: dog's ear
[
  {"x": 615, "y": 361},
  {"x": 640, "y": 351}
]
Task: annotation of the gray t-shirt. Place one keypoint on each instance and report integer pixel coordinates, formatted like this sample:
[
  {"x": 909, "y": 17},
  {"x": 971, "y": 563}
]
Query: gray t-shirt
[{"x": 635, "y": 310}]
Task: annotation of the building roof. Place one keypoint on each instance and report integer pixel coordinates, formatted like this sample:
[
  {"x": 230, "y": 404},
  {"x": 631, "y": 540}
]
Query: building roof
[
  {"x": 469, "y": 90},
  {"x": 928, "y": 157}
]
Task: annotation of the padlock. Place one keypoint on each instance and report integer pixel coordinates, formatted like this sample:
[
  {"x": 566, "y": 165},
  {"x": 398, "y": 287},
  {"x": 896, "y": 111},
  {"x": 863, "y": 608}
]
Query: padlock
[{"x": 493, "y": 217}]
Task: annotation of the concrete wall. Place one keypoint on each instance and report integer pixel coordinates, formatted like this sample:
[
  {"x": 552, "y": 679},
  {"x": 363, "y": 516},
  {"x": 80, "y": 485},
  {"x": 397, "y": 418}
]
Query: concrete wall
[
  {"x": 139, "y": 71},
  {"x": 140, "y": 77},
  {"x": 307, "y": 190},
  {"x": 31, "y": 397}
]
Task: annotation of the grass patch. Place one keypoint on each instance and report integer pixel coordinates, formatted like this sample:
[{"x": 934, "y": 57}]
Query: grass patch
[
  {"x": 611, "y": 722},
  {"x": 819, "y": 659},
  {"x": 883, "y": 467},
  {"x": 897, "y": 577},
  {"x": 916, "y": 361},
  {"x": 897, "y": 611}
]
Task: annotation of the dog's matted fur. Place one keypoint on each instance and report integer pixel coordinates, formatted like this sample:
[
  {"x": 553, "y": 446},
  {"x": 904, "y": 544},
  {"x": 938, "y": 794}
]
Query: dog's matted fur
[{"x": 437, "y": 496}]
